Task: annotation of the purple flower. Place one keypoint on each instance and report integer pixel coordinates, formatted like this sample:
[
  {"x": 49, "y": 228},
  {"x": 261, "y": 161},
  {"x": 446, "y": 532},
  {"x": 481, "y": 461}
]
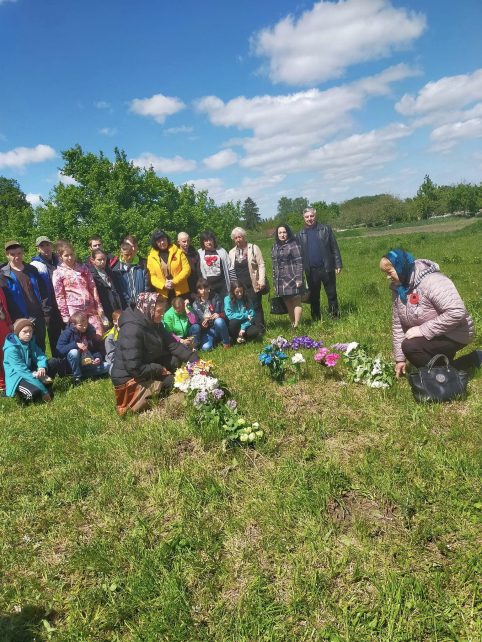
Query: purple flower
[
  {"x": 201, "y": 398},
  {"x": 305, "y": 342},
  {"x": 341, "y": 347},
  {"x": 232, "y": 404},
  {"x": 217, "y": 393}
]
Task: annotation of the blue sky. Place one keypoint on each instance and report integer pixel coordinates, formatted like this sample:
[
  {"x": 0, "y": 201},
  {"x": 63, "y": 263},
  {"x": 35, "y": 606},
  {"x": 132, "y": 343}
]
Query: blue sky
[{"x": 327, "y": 100}]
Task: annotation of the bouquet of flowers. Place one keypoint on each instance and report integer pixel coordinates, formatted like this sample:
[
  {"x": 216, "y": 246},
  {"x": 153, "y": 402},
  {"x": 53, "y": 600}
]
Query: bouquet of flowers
[
  {"x": 297, "y": 360},
  {"x": 374, "y": 372},
  {"x": 327, "y": 358},
  {"x": 305, "y": 342},
  {"x": 211, "y": 406},
  {"x": 275, "y": 360}
]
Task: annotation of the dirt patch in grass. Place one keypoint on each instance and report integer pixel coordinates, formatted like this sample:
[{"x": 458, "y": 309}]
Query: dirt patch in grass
[{"x": 352, "y": 506}]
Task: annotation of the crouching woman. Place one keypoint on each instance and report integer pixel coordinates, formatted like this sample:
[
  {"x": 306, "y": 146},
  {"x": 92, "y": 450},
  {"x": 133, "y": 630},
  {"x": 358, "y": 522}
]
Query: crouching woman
[
  {"x": 27, "y": 369},
  {"x": 145, "y": 355},
  {"x": 428, "y": 314}
]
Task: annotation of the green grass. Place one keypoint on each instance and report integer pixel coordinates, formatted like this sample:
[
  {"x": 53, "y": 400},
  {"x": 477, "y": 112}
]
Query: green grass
[{"x": 356, "y": 519}]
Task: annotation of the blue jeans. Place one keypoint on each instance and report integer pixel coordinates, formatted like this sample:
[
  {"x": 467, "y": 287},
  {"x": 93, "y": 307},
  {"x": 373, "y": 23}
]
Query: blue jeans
[
  {"x": 78, "y": 371},
  {"x": 195, "y": 332},
  {"x": 217, "y": 332}
]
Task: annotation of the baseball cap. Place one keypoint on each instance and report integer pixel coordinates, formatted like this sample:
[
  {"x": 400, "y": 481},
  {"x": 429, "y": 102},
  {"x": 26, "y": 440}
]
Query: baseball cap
[
  {"x": 42, "y": 239},
  {"x": 11, "y": 244}
]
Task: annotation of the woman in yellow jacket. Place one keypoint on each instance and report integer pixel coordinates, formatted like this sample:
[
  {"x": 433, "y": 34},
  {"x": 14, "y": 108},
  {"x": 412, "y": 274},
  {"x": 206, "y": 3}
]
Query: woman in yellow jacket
[{"x": 168, "y": 267}]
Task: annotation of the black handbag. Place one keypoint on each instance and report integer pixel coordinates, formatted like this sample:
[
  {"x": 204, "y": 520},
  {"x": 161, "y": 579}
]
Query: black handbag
[
  {"x": 438, "y": 383},
  {"x": 277, "y": 305}
]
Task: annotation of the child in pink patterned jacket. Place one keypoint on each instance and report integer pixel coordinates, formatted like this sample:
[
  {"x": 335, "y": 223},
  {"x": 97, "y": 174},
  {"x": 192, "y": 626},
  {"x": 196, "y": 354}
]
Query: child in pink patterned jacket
[{"x": 75, "y": 290}]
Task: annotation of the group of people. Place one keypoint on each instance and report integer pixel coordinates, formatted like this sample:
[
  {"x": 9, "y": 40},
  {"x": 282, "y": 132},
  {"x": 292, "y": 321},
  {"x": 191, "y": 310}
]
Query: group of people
[{"x": 139, "y": 319}]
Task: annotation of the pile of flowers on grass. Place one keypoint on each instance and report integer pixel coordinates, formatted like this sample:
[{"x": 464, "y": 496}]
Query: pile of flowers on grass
[
  {"x": 212, "y": 406},
  {"x": 374, "y": 372}
]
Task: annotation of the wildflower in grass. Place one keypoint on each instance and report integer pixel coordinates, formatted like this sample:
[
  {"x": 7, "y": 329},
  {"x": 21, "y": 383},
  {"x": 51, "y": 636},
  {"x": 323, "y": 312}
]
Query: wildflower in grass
[
  {"x": 232, "y": 404},
  {"x": 341, "y": 347},
  {"x": 351, "y": 346},
  {"x": 217, "y": 393}
]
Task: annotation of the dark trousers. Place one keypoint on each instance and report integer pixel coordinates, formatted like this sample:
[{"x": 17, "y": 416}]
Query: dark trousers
[
  {"x": 257, "y": 302},
  {"x": 30, "y": 392},
  {"x": 419, "y": 350},
  {"x": 39, "y": 332},
  {"x": 317, "y": 277},
  {"x": 234, "y": 327},
  {"x": 54, "y": 328}
]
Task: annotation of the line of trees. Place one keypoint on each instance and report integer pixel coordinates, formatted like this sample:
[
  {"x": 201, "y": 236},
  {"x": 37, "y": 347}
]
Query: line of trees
[
  {"x": 114, "y": 198},
  {"x": 383, "y": 209}
]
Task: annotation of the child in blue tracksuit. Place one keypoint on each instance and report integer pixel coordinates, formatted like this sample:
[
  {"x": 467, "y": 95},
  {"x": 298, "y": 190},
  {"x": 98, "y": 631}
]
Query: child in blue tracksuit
[
  {"x": 27, "y": 369},
  {"x": 240, "y": 314},
  {"x": 82, "y": 348}
]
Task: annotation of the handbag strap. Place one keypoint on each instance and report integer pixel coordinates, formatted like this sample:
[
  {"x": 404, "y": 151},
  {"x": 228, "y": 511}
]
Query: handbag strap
[{"x": 434, "y": 360}]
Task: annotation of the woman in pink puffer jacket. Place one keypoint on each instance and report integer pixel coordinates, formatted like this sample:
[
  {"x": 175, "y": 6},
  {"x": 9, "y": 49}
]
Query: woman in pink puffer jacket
[{"x": 428, "y": 314}]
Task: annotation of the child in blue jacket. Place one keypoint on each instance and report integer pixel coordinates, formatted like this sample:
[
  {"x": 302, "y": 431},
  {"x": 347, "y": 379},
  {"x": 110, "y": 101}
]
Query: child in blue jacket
[
  {"x": 27, "y": 369},
  {"x": 82, "y": 348},
  {"x": 240, "y": 314}
]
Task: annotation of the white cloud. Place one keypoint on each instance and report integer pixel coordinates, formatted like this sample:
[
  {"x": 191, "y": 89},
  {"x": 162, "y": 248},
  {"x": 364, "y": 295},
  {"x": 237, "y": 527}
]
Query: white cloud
[
  {"x": 21, "y": 156},
  {"x": 447, "y": 136},
  {"x": 66, "y": 180},
  {"x": 448, "y": 93},
  {"x": 287, "y": 127},
  {"x": 163, "y": 165},
  {"x": 157, "y": 106},
  {"x": 102, "y": 104},
  {"x": 183, "y": 129},
  {"x": 34, "y": 199},
  {"x": 224, "y": 158},
  {"x": 108, "y": 131},
  {"x": 331, "y": 36}
]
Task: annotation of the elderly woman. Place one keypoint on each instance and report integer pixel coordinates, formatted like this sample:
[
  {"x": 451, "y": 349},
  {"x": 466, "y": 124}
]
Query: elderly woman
[
  {"x": 428, "y": 315},
  {"x": 215, "y": 265},
  {"x": 288, "y": 271},
  {"x": 168, "y": 267},
  {"x": 145, "y": 354},
  {"x": 250, "y": 270}
]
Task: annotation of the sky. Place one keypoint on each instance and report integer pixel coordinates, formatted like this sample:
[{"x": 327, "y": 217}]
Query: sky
[{"x": 260, "y": 99}]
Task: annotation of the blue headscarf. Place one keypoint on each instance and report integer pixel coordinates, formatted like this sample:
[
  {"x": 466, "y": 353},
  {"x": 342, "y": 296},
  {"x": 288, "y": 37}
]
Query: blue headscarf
[{"x": 403, "y": 262}]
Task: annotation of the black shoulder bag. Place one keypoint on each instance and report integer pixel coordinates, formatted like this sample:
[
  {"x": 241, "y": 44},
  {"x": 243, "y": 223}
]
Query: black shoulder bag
[{"x": 438, "y": 383}]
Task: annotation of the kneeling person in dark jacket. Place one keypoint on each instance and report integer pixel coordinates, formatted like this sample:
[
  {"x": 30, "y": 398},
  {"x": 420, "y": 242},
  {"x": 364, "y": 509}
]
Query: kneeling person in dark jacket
[
  {"x": 145, "y": 354},
  {"x": 83, "y": 349}
]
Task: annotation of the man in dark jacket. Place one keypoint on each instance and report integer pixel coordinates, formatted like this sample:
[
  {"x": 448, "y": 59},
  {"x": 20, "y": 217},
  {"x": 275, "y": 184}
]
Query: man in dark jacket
[
  {"x": 46, "y": 261},
  {"x": 26, "y": 295},
  {"x": 321, "y": 262},
  {"x": 129, "y": 274}
]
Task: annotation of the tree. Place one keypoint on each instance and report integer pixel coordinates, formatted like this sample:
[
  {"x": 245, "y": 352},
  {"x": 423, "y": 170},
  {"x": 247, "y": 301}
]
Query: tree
[
  {"x": 116, "y": 198},
  {"x": 287, "y": 206},
  {"x": 251, "y": 216},
  {"x": 16, "y": 213},
  {"x": 426, "y": 197}
]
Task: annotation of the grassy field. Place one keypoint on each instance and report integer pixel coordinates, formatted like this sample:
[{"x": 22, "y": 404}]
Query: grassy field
[{"x": 356, "y": 519}]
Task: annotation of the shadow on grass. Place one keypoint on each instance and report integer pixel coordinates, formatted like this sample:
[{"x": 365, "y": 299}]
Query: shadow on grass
[{"x": 26, "y": 625}]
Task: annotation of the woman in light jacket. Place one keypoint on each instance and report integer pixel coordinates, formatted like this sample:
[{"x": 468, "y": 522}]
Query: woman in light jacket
[
  {"x": 248, "y": 263},
  {"x": 215, "y": 265},
  {"x": 428, "y": 314},
  {"x": 168, "y": 267}
]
